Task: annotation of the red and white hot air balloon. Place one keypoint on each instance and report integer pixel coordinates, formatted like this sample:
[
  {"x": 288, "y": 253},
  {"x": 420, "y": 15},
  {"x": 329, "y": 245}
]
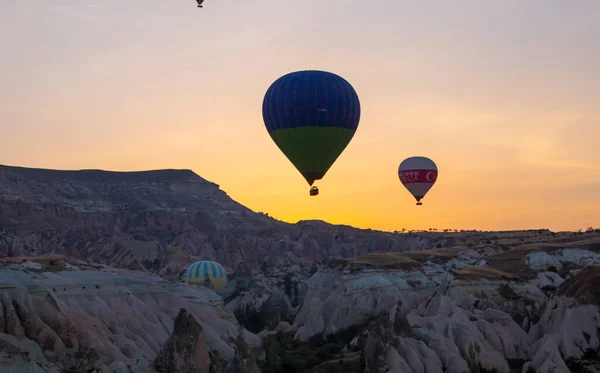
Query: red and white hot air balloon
[{"x": 418, "y": 174}]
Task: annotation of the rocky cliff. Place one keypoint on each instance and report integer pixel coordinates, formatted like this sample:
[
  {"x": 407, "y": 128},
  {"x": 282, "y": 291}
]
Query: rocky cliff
[
  {"x": 74, "y": 316},
  {"x": 91, "y": 263},
  {"x": 466, "y": 309},
  {"x": 161, "y": 221}
]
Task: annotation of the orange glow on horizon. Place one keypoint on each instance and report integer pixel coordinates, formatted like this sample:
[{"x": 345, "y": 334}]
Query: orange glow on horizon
[{"x": 512, "y": 122}]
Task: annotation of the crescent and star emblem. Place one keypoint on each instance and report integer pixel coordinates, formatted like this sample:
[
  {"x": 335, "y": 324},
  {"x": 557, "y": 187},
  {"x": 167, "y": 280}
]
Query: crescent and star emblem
[{"x": 428, "y": 176}]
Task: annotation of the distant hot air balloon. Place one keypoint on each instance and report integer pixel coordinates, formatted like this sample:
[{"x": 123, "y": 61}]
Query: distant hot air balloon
[
  {"x": 418, "y": 174},
  {"x": 198, "y": 271},
  {"x": 311, "y": 116}
]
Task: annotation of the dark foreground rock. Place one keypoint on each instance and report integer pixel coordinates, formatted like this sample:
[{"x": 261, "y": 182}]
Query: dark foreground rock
[{"x": 186, "y": 350}]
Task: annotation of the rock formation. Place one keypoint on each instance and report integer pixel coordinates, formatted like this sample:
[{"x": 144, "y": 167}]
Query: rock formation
[
  {"x": 161, "y": 221},
  {"x": 83, "y": 318},
  {"x": 463, "y": 316},
  {"x": 186, "y": 350},
  {"x": 91, "y": 264}
]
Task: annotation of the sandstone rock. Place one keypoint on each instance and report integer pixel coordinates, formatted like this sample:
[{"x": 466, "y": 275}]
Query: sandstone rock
[
  {"x": 92, "y": 319},
  {"x": 139, "y": 219},
  {"x": 186, "y": 350},
  {"x": 494, "y": 293},
  {"x": 245, "y": 361},
  {"x": 542, "y": 260}
]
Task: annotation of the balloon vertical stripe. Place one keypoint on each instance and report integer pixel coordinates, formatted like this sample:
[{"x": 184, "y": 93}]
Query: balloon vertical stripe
[{"x": 197, "y": 272}]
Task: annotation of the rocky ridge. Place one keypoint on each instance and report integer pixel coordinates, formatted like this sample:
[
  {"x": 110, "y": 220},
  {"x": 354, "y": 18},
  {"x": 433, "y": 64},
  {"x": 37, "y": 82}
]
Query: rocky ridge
[
  {"x": 542, "y": 320},
  {"x": 85, "y": 317},
  {"x": 92, "y": 262},
  {"x": 161, "y": 221}
]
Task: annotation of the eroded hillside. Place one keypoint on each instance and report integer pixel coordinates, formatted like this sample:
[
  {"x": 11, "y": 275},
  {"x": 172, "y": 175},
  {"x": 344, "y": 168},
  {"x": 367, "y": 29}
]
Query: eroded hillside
[
  {"x": 92, "y": 263},
  {"x": 163, "y": 220}
]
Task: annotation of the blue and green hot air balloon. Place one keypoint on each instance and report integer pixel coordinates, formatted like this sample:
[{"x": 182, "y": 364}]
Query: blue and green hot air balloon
[{"x": 311, "y": 116}]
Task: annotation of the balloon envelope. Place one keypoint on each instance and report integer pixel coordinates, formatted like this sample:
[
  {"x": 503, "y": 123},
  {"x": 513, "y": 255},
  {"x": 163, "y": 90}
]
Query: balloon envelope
[
  {"x": 199, "y": 270},
  {"x": 418, "y": 174},
  {"x": 311, "y": 116}
]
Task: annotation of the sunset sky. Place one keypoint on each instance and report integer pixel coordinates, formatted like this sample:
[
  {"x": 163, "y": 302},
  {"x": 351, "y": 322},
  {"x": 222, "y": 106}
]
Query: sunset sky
[{"x": 503, "y": 95}]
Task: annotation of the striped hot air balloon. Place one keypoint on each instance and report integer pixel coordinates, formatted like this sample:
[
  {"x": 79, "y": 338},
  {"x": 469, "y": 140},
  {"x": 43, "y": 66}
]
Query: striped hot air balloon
[
  {"x": 418, "y": 174},
  {"x": 198, "y": 271},
  {"x": 311, "y": 116}
]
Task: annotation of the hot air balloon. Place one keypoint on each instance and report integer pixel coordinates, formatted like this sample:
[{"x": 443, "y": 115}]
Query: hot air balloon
[
  {"x": 311, "y": 116},
  {"x": 201, "y": 270},
  {"x": 418, "y": 174}
]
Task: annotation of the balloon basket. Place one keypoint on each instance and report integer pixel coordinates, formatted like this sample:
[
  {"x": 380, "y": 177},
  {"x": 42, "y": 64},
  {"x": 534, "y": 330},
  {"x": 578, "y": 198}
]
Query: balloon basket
[
  {"x": 314, "y": 191},
  {"x": 419, "y": 203}
]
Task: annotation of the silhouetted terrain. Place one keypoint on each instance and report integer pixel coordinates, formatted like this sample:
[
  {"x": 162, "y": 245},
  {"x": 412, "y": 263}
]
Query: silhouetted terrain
[
  {"x": 141, "y": 218},
  {"x": 92, "y": 263}
]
